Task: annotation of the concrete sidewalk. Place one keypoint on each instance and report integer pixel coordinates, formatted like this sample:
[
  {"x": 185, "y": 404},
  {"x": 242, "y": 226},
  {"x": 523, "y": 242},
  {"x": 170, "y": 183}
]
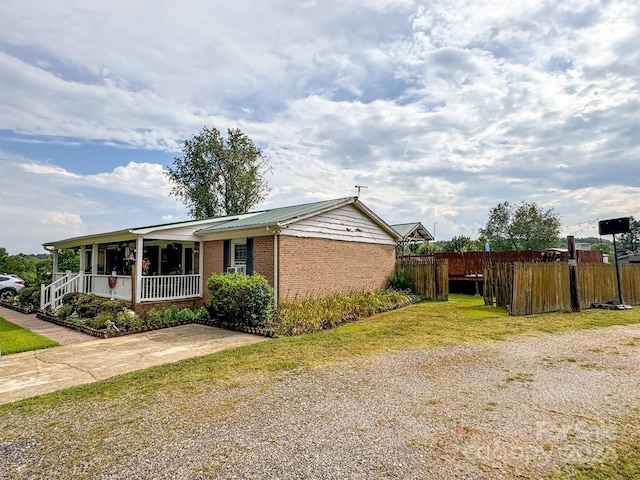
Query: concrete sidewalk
[{"x": 27, "y": 374}]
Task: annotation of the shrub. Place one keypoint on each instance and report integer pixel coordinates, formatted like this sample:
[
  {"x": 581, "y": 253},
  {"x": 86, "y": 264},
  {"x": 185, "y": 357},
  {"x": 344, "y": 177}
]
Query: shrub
[
  {"x": 100, "y": 321},
  {"x": 315, "y": 314},
  {"x": 154, "y": 316},
  {"x": 243, "y": 299},
  {"x": 29, "y": 298},
  {"x": 114, "y": 306},
  {"x": 400, "y": 280},
  {"x": 201, "y": 313},
  {"x": 186, "y": 314},
  {"x": 88, "y": 306},
  {"x": 170, "y": 314},
  {"x": 128, "y": 320},
  {"x": 65, "y": 311}
]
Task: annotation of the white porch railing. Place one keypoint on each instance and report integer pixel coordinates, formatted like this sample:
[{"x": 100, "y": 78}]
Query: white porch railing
[
  {"x": 170, "y": 287},
  {"x": 162, "y": 287},
  {"x": 51, "y": 295}
]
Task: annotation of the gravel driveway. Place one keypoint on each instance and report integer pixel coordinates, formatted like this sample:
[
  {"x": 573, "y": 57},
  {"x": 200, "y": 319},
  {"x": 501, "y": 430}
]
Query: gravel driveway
[{"x": 514, "y": 409}]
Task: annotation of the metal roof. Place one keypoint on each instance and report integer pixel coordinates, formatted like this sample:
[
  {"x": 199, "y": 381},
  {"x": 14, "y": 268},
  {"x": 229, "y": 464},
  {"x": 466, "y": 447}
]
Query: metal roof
[
  {"x": 278, "y": 216},
  {"x": 409, "y": 229}
]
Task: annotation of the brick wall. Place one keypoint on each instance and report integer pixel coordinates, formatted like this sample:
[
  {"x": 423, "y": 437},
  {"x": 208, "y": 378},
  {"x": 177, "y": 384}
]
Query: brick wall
[
  {"x": 318, "y": 267},
  {"x": 212, "y": 262},
  {"x": 143, "y": 308},
  {"x": 263, "y": 257}
]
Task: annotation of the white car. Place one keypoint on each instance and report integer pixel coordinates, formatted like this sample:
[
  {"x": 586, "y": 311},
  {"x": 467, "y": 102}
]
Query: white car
[{"x": 10, "y": 285}]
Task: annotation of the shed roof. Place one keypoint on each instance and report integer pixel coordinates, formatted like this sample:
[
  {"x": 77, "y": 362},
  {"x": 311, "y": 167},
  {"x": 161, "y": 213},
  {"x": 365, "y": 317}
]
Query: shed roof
[{"x": 414, "y": 230}]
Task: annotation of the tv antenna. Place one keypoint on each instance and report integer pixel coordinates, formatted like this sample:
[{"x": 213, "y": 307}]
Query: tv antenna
[{"x": 359, "y": 187}]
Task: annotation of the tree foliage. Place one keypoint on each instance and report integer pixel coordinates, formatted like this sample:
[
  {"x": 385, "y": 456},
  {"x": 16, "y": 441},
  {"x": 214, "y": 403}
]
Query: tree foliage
[
  {"x": 217, "y": 175},
  {"x": 458, "y": 244},
  {"x": 525, "y": 226},
  {"x": 36, "y": 269},
  {"x": 630, "y": 241}
]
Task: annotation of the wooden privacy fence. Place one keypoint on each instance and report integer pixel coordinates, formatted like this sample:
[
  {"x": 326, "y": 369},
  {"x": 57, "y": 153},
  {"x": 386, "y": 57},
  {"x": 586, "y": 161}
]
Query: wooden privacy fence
[
  {"x": 528, "y": 288},
  {"x": 430, "y": 276}
]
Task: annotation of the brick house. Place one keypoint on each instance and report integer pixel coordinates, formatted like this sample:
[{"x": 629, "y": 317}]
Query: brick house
[{"x": 313, "y": 249}]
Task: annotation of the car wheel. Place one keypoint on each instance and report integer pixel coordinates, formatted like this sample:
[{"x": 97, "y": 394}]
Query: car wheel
[{"x": 7, "y": 292}]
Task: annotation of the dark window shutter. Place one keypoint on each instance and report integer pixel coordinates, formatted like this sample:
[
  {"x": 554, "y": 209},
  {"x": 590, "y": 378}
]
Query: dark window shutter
[
  {"x": 249, "y": 256},
  {"x": 227, "y": 250}
]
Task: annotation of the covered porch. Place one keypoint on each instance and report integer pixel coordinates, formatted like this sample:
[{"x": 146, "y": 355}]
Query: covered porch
[{"x": 130, "y": 266}]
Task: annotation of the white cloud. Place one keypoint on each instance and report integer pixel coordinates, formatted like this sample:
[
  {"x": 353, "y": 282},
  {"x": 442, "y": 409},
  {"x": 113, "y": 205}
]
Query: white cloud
[{"x": 451, "y": 107}]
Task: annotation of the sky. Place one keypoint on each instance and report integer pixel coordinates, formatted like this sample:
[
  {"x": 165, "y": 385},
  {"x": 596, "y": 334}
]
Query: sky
[{"x": 442, "y": 109}]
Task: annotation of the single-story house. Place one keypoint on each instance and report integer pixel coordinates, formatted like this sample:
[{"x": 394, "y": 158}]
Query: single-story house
[
  {"x": 313, "y": 249},
  {"x": 411, "y": 233}
]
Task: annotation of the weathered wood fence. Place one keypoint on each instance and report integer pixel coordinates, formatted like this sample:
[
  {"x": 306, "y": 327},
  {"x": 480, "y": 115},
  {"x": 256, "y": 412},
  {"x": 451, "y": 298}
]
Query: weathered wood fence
[
  {"x": 528, "y": 288},
  {"x": 430, "y": 276}
]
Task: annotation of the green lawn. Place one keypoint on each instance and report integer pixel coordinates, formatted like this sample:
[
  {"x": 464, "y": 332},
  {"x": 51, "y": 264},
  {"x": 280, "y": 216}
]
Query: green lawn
[
  {"x": 14, "y": 339},
  {"x": 462, "y": 319}
]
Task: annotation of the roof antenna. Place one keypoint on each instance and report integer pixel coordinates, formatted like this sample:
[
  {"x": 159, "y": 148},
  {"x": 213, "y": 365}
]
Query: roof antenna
[{"x": 359, "y": 187}]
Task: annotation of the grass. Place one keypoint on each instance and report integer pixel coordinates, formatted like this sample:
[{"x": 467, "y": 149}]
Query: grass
[
  {"x": 15, "y": 339},
  {"x": 625, "y": 463},
  {"x": 175, "y": 388},
  {"x": 424, "y": 325}
]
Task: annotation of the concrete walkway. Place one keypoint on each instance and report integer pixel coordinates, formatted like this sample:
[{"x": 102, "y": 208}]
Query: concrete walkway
[{"x": 27, "y": 374}]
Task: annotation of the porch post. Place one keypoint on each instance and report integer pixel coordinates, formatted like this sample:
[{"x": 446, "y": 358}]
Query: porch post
[
  {"x": 55, "y": 263},
  {"x": 94, "y": 259},
  {"x": 138, "y": 269},
  {"x": 201, "y": 266},
  {"x": 83, "y": 267}
]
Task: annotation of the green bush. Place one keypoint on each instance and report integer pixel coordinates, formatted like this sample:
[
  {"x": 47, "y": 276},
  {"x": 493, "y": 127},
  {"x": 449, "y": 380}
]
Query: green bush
[
  {"x": 400, "y": 280},
  {"x": 65, "y": 311},
  {"x": 128, "y": 320},
  {"x": 243, "y": 299},
  {"x": 88, "y": 306},
  {"x": 100, "y": 321},
  {"x": 153, "y": 316},
  {"x": 186, "y": 314},
  {"x": 201, "y": 313},
  {"x": 170, "y": 314},
  {"x": 114, "y": 306},
  {"x": 29, "y": 299}
]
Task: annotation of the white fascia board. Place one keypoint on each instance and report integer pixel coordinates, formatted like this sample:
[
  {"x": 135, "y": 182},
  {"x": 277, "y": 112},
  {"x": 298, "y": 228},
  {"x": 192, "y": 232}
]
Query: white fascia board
[
  {"x": 231, "y": 233},
  {"x": 109, "y": 237}
]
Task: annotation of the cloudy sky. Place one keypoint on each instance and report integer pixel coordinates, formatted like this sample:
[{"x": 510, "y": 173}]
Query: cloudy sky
[{"x": 443, "y": 109}]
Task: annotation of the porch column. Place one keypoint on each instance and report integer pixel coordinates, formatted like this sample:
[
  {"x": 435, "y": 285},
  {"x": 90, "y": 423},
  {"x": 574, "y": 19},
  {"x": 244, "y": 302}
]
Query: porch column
[
  {"x": 83, "y": 267},
  {"x": 201, "y": 266},
  {"x": 55, "y": 263},
  {"x": 94, "y": 259},
  {"x": 138, "y": 269}
]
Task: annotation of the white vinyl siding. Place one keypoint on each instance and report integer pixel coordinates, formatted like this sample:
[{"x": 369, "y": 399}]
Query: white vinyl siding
[{"x": 346, "y": 223}]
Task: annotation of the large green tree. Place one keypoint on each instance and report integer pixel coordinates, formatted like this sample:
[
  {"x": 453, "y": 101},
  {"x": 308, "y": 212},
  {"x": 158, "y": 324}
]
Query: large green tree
[
  {"x": 217, "y": 175},
  {"x": 524, "y": 226},
  {"x": 630, "y": 241}
]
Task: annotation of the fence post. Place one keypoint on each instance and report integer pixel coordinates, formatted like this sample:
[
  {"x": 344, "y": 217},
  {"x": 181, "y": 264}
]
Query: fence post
[{"x": 573, "y": 274}]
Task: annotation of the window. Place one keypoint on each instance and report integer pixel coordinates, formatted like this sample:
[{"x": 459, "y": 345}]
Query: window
[{"x": 239, "y": 253}]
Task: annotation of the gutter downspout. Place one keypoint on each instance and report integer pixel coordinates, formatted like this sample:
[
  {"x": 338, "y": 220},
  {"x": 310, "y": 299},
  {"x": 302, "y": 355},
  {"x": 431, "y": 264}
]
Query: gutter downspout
[{"x": 275, "y": 232}]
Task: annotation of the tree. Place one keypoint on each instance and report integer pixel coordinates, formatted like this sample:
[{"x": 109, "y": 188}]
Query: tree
[
  {"x": 218, "y": 176},
  {"x": 521, "y": 227},
  {"x": 630, "y": 241},
  {"x": 458, "y": 244}
]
